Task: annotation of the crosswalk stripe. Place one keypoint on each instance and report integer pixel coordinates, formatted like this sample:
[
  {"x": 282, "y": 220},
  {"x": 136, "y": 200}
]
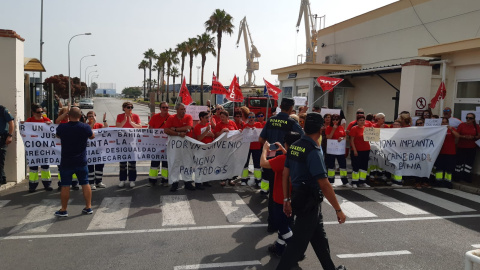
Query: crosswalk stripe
[
  {"x": 39, "y": 219},
  {"x": 461, "y": 194},
  {"x": 112, "y": 214},
  {"x": 392, "y": 203},
  {"x": 450, "y": 206},
  {"x": 176, "y": 210},
  {"x": 3, "y": 203},
  {"x": 235, "y": 208},
  {"x": 352, "y": 210}
]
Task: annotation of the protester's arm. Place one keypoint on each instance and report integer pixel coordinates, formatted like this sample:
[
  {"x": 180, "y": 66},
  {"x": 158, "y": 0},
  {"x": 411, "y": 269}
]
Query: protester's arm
[
  {"x": 329, "y": 136},
  {"x": 454, "y": 132},
  {"x": 121, "y": 124},
  {"x": 133, "y": 123},
  {"x": 287, "y": 206},
  {"x": 352, "y": 145},
  {"x": 263, "y": 158},
  {"x": 328, "y": 192},
  {"x": 61, "y": 117}
]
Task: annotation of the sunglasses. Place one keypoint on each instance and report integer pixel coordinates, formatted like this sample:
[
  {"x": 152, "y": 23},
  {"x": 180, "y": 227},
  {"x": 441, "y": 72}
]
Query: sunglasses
[
  {"x": 470, "y": 118},
  {"x": 129, "y": 107},
  {"x": 250, "y": 117},
  {"x": 335, "y": 119},
  {"x": 163, "y": 107},
  {"x": 447, "y": 110},
  {"x": 360, "y": 113},
  {"x": 39, "y": 112}
]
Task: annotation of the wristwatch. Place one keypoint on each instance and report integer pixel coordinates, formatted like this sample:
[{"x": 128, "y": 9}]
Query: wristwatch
[
  {"x": 286, "y": 199},
  {"x": 9, "y": 135}
]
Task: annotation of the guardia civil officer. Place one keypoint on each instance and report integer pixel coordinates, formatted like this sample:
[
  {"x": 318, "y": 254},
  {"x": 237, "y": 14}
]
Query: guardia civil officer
[
  {"x": 306, "y": 169},
  {"x": 274, "y": 131}
]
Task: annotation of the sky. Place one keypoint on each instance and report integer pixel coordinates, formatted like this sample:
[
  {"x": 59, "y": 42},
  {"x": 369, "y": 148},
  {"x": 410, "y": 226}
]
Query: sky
[{"x": 122, "y": 30}]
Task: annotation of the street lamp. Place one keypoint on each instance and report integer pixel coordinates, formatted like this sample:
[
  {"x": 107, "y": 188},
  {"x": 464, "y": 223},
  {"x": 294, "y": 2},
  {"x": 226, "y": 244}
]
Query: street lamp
[
  {"x": 86, "y": 78},
  {"x": 89, "y": 75},
  {"x": 81, "y": 65},
  {"x": 69, "y": 78}
]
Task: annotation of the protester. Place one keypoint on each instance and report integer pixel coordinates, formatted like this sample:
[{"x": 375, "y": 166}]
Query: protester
[
  {"x": 274, "y": 131},
  {"x": 420, "y": 122},
  {"x": 158, "y": 121},
  {"x": 261, "y": 119},
  {"x": 295, "y": 117},
  {"x": 128, "y": 120},
  {"x": 237, "y": 116},
  {"x": 374, "y": 170},
  {"x": 301, "y": 119},
  {"x": 203, "y": 131},
  {"x": 254, "y": 152},
  {"x": 327, "y": 118},
  {"x": 62, "y": 116},
  {"x": 277, "y": 164},
  {"x": 360, "y": 153},
  {"x": 316, "y": 108},
  {"x": 453, "y": 122},
  {"x": 380, "y": 121},
  {"x": 336, "y": 132},
  {"x": 216, "y": 117},
  {"x": 466, "y": 148},
  {"x": 420, "y": 181},
  {"x": 354, "y": 123},
  {"x": 73, "y": 136},
  {"x": 225, "y": 125},
  {"x": 445, "y": 163},
  {"x": 7, "y": 128},
  {"x": 245, "y": 111},
  {"x": 56, "y": 106},
  {"x": 95, "y": 171},
  {"x": 46, "y": 176},
  {"x": 306, "y": 168},
  {"x": 396, "y": 124},
  {"x": 405, "y": 119},
  {"x": 427, "y": 114}
]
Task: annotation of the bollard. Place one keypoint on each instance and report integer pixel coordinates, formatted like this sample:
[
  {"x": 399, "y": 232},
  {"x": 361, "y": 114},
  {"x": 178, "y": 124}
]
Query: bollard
[{"x": 472, "y": 257}]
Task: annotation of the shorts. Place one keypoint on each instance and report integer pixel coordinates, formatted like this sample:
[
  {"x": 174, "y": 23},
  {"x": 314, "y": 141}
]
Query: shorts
[{"x": 67, "y": 174}]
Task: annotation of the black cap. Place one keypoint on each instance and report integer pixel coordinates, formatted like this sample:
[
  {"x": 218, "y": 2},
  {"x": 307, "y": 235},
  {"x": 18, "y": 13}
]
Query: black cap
[
  {"x": 313, "y": 123},
  {"x": 289, "y": 102}
]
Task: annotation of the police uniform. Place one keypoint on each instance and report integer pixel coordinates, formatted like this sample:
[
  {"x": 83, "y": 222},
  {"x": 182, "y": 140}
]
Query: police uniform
[
  {"x": 274, "y": 131},
  {"x": 5, "y": 117},
  {"x": 306, "y": 165}
]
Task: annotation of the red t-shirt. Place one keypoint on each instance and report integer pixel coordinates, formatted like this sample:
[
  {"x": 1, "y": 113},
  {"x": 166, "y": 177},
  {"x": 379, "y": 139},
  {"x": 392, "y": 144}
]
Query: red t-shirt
[
  {"x": 254, "y": 145},
  {"x": 448, "y": 147},
  {"x": 378, "y": 126},
  {"x": 240, "y": 125},
  {"x": 263, "y": 123},
  {"x": 97, "y": 125},
  {"x": 230, "y": 125},
  {"x": 339, "y": 132},
  {"x": 197, "y": 131},
  {"x": 467, "y": 129},
  {"x": 278, "y": 163},
  {"x": 216, "y": 119},
  {"x": 174, "y": 121},
  {"x": 135, "y": 119},
  {"x": 157, "y": 121},
  {"x": 367, "y": 124},
  {"x": 360, "y": 144},
  {"x": 43, "y": 120}
]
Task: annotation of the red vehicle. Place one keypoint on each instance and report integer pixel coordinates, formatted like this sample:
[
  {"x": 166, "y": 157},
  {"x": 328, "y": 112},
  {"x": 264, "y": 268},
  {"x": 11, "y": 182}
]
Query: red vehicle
[{"x": 254, "y": 104}]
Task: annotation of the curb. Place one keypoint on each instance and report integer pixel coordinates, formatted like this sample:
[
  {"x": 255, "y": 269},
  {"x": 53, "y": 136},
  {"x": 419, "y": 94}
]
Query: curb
[{"x": 469, "y": 189}]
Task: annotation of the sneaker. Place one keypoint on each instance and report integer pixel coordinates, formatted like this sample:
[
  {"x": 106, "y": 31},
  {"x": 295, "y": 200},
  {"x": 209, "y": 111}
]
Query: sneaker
[
  {"x": 174, "y": 187},
  {"x": 101, "y": 185},
  {"x": 87, "y": 211},
  {"x": 231, "y": 182},
  {"x": 132, "y": 184},
  {"x": 189, "y": 186},
  {"x": 199, "y": 186},
  {"x": 60, "y": 213},
  {"x": 347, "y": 185},
  {"x": 48, "y": 188},
  {"x": 363, "y": 185},
  {"x": 354, "y": 185},
  {"x": 93, "y": 187},
  {"x": 396, "y": 185},
  {"x": 121, "y": 184},
  {"x": 341, "y": 267}
]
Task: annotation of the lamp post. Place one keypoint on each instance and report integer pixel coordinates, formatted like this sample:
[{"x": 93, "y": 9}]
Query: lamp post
[
  {"x": 86, "y": 78},
  {"x": 81, "y": 65},
  {"x": 69, "y": 78},
  {"x": 91, "y": 73}
]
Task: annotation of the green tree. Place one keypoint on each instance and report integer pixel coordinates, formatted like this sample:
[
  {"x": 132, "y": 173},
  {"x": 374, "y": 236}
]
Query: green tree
[
  {"x": 158, "y": 68},
  {"x": 174, "y": 73},
  {"x": 192, "y": 51},
  {"x": 161, "y": 61},
  {"x": 131, "y": 92},
  {"x": 143, "y": 65},
  {"x": 206, "y": 44},
  {"x": 219, "y": 22},
  {"x": 149, "y": 55},
  {"x": 170, "y": 59},
  {"x": 182, "y": 50}
]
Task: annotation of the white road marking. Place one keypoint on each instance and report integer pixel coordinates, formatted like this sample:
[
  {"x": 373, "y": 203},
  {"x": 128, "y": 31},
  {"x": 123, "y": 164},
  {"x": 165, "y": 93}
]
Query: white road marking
[
  {"x": 39, "y": 219},
  {"x": 3, "y": 203},
  {"x": 112, "y": 214},
  {"x": 476, "y": 246},
  {"x": 352, "y": 210},
  {"x": 394, "y": 204},
  {"x": 461, "y": 194},
  {"x": 450, "y": 206},
  {"x": 374, "y": 254},
  {"x": 176, "y": 210},
  {"x": 216, "y": 265},
  {"x": 235, "y": 208}
]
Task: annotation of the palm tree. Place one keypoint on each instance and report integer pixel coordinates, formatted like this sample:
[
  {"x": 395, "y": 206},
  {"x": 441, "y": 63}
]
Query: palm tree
[
  {"x": 143, "y": 65},
  {"x": 161, "y": 59},
  {"x": 158, "y": 68},
  {"x": 174, "y": 73},
  {"x": 192, "y": 51},
  {"x": 206, "y": 44},
  {"x": 219, "y": 22},
  {"x": 170, "y": 59},
  {"x": 149, "y": 55},
  {"x": 182, "y": 50}
]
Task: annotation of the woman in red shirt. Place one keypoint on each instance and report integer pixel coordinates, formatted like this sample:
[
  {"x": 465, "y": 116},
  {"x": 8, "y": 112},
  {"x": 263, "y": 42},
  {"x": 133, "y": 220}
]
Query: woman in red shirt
[
  {"x": 261, "y": 119},
  {"x": 128, "y": 120},
  {"x": 46, "y": 176},
  {"x": 95, "y": 171},
  {"x": 335, "y": 131},
  {"x": 237, "y": 116},
  {"x": 255, "y": 151},
  {"x": 205, "y": 136},
  {"x": 360, "y": 153},
  {"x": 224, "y": 125},
  {"x": 445, "y": 163},
  {"x": 466, "y": 148}
]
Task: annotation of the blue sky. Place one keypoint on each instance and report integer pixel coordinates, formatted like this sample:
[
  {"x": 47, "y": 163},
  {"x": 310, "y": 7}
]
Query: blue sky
[{"x": 123, "y": 29}]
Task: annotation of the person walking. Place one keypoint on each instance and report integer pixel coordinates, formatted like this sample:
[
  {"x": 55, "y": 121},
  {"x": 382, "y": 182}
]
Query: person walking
[
  {"x": 73, "y": 136},
  {"x": 7, "y": 127},
  {"x": 466, "y": 148},
  {"x": 95, "y": 171},
  {"x": 306, "y": 169},
  {"x": 158, "y": 121}
]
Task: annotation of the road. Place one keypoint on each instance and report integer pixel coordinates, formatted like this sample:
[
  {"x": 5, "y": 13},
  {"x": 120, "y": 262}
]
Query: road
[{"x": 225, "y": 228}]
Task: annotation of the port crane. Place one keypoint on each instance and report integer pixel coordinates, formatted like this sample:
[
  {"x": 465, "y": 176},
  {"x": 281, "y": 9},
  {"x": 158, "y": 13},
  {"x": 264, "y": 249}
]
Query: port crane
[
  {"x": 252, "y": 55},
  {"x": 310, "y": 30}
]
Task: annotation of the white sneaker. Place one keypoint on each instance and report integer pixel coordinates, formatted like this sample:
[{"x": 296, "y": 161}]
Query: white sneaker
[
  {"x": 121, "y": 184},
  {"x": 396, "y": 185},
  {"x": 363, "y": 185},
  {"x": 132, "y": 184},
  {"x": 347, "y": 185},
  {"x": 101, "y": 185},
  {"x": 93, "y": 187},
  {"x": 354, "y": 185}
]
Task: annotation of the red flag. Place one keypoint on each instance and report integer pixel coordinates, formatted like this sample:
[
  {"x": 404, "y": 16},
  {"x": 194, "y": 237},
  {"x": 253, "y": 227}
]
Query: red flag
[
  {"x": 184, "y": 94},
  {"x": 272, "y": 89},
  {"x": 441, "y": 93},
  {"x": 217, "y": 87},
  {"x": 328, "y": 83},
  {"x": 234, "y": 92}
]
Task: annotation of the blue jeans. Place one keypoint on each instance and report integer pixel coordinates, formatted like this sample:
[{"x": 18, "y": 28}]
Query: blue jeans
[{"x": 67, "y": 175}]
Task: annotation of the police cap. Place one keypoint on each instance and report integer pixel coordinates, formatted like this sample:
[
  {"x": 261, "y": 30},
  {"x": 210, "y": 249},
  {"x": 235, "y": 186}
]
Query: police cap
[{"x": 313, "y": 123}]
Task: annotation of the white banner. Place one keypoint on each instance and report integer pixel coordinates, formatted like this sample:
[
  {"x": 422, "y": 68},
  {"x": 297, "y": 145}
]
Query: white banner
[
  {"x": 408, "y": 151},
  {"x": 194, "y": 110},
  {"x": 300, "y": 101},
  {"x": 324, "y": 111},
  {"x": 251, "y": 134},
  {"x": 433, "y": 122},
  {"x": 334, "y": 147},
  {"x": 110, "y": 145},
  {"x": 221, "y": 159}
]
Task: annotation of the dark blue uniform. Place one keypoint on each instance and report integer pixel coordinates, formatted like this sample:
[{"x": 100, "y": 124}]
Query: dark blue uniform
[
  {"x": 306, "y": 165},
  {"x": 5, "y": 117}
]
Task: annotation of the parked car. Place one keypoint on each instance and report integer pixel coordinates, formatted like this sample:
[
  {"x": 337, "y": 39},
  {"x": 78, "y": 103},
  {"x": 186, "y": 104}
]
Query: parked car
[{"x": 86, "y": 103}]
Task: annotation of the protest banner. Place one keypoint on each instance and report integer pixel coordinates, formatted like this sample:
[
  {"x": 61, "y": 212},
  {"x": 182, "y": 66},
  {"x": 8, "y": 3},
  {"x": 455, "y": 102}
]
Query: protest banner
[
  {"x": 335, "y": 147},
  {"x": 407, "y": 151},
  {"x": 110, "y": 145},
  {"x": 433, "y": 122},
  {"x": 371, "y": 134},
  {"x": 324, "y": 111},
  {"x": 195, "y": 110},
  {"x": 251, "y": 134},
  {"x": 221, "y": 159},
  {"x": 300, "y": 101}
]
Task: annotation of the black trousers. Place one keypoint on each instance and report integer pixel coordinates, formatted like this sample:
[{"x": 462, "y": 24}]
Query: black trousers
[
  {"x": 3, "y": 177},
  {"x": 269, "y": 175},
  {"x": 308, "y": 228},
  {"x": 465, "y": 160}
]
